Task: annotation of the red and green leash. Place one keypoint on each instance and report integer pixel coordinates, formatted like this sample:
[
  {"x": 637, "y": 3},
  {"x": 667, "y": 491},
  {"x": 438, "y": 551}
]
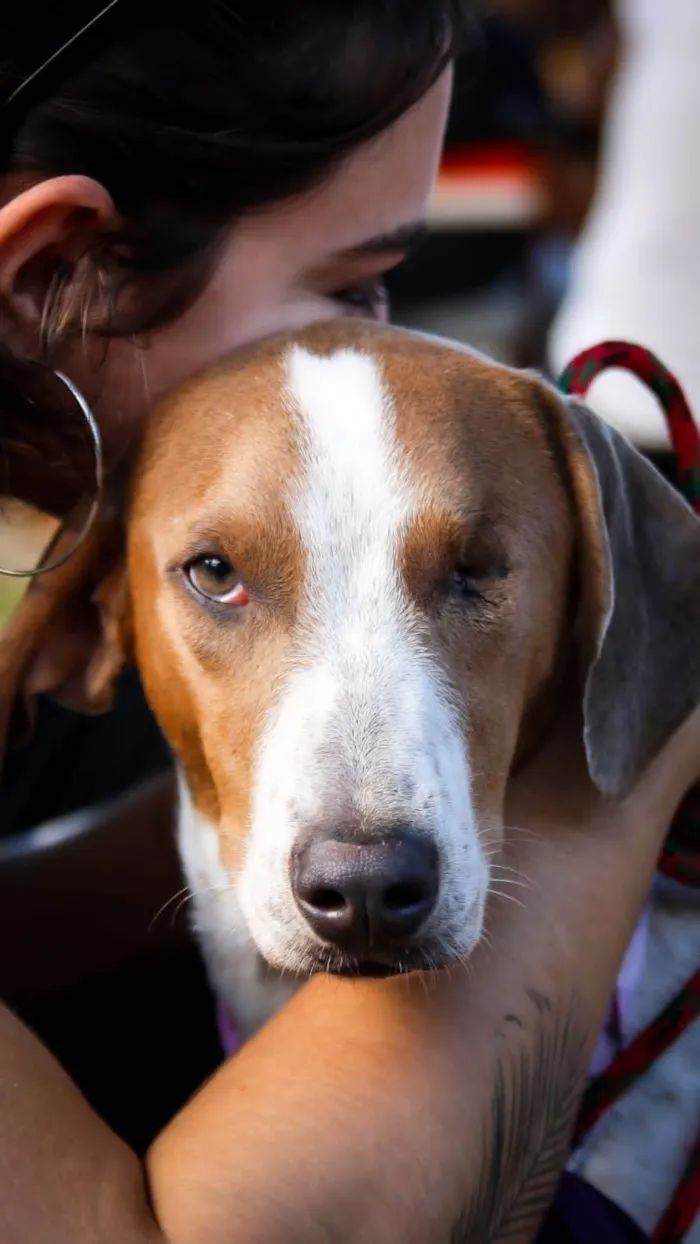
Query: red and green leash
[{"x": 680, "y": 858}]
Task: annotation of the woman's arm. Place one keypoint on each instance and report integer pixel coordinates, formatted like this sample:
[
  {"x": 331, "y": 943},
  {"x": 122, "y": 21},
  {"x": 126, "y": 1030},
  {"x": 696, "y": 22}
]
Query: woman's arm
[
  {"x": 64, "y": 1177},
  {"x": 424, "y": 1110},
  {"x": 109, "y": 870},
  {"x": 436, "y": 1111}
]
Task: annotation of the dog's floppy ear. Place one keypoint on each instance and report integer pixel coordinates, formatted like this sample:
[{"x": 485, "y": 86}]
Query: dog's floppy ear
[
  {"x": 639, "y": 558},
  {"x": 70, "y": 635}
]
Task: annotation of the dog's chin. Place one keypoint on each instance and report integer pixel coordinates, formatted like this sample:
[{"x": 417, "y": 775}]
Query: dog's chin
[{"x": 329, "y": 961}]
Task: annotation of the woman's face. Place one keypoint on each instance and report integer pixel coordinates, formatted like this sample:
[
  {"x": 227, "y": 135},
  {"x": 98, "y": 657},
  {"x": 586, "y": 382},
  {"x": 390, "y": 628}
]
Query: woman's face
[{"x": 319, "y": 256}]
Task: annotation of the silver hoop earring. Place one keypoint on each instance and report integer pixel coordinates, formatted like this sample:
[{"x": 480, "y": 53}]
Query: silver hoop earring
[{"x": 81, "y": 517}]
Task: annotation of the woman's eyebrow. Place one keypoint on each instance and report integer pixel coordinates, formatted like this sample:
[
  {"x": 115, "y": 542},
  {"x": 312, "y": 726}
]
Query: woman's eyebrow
[{"x": 404, "y": 238}]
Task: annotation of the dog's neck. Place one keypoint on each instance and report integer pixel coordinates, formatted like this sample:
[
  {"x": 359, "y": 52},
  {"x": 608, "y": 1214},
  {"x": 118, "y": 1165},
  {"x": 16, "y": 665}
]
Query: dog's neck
[{"x": 246, "y": 988}]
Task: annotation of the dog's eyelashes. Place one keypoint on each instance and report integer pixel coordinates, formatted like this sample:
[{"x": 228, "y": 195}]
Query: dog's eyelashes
[
  {"x": 214, "y": 578},
  {"x": 463, "y": 584},
  {"x": 469, "y": 583}
]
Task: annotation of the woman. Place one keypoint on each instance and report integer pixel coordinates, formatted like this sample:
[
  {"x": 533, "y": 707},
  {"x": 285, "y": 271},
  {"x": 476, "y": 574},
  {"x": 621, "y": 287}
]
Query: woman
[{"x": 175, "y": 187}]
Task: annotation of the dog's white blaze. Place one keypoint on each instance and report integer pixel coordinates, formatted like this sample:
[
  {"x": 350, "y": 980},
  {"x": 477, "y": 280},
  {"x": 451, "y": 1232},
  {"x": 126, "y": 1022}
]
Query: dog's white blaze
[{"x": 363, "y": 725}]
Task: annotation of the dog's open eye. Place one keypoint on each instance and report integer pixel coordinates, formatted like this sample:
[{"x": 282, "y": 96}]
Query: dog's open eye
[{"x": 216, "y": 579}]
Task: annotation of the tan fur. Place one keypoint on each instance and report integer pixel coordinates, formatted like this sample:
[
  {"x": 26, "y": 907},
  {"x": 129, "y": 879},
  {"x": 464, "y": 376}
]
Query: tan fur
[
  {"x": 463, "y": 421},
  {"x": 506, "y": 483},
  {"x": 210, "y": 684},
  {"x": 478, "y": 451}
]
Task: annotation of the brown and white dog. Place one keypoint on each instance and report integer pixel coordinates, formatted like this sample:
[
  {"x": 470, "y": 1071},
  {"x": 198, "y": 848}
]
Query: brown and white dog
[{"x": 359, "y": 567}]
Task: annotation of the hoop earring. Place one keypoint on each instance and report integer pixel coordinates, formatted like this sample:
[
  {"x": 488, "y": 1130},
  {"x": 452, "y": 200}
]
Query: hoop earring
[{"x": 83, "y": 521}]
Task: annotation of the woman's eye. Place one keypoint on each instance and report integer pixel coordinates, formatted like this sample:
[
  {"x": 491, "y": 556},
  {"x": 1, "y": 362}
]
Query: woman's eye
[
  {"x": 369, "y": 299},
  {"x": 216, "y": 579}
]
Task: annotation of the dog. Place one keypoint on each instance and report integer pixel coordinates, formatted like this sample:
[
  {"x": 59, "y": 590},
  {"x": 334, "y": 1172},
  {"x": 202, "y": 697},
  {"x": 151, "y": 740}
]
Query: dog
[{"x": 358, "y": 570}]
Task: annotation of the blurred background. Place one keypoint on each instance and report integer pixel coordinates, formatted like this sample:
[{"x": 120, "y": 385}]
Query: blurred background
[{"x": 518, "y": 177}]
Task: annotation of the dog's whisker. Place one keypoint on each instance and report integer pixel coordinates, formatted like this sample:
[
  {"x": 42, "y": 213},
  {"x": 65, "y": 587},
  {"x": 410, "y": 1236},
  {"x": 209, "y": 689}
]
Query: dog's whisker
[
  {"x": 510, "y": 897},
  {"x": 164, "y": 906},
  {"x": 200, "y": 892},
  {"x": 495, "y": 854},
  {"x": 504, "y": 870},
  {"x": 511, "y": 875},
  {"x": 524, "y": 832},
  {"x": 524, "y": 884},
  {"x": 468, "y": 967},
  {"x": 187, "y": 898},
  {"x": 185, "y": 895},
  {"x": 513, "y": 868}
]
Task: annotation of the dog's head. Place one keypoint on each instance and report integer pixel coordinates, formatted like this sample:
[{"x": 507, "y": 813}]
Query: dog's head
[{"x": 359, "y": 566}]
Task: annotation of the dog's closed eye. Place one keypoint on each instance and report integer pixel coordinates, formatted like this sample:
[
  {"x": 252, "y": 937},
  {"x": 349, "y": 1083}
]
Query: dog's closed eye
[
  {"x": 447, "y": 562},
  {"x": 470, "y": 581}
]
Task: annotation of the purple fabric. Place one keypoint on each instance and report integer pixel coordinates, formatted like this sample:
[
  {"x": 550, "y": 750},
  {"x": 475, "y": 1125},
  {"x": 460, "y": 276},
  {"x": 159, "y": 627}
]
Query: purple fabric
[
  {"x": 229, "y": 1033},
  {"x": 630, "y": 972},
  {"x": 582, "y": 1215}
]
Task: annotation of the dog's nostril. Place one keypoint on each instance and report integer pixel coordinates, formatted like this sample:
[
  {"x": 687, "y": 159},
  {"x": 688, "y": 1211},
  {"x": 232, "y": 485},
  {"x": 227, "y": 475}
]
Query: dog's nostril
[
  {"x": 326, "y": 900},
  {"x": 401, "y": 897}
]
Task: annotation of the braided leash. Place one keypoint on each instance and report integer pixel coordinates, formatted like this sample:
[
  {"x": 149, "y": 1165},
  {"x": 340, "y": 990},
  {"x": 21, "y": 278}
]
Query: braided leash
[{"x": 680, "y": 858}]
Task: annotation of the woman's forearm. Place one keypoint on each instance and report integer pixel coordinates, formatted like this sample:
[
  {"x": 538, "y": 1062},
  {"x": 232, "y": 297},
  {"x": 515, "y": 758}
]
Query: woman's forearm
[
  {"x": 76, "y": 905},
  {"x": 427, "y": 1111},
  {"x": 64, "y": 1177},
  {"x": 436, "y": 1110}
]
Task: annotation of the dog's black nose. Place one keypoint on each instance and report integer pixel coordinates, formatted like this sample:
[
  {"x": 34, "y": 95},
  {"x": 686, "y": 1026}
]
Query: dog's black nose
[{"x": 367, "y": 898}]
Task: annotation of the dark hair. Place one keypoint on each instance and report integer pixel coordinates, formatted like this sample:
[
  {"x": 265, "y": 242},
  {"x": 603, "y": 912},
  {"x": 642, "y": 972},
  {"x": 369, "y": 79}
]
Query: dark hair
[
  {"x": 221, "y": 110},
  {"x": 190, "y": 120}
]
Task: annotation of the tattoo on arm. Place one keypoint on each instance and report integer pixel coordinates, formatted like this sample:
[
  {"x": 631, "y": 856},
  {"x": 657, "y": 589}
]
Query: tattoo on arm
[{"x": 526, "y": 1138}]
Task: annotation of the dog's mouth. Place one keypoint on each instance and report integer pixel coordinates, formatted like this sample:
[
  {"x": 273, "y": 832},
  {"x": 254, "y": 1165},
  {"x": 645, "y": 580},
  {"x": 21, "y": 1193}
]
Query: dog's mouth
[
  {"x": 378, "y": 970},
  {"x": 336, "y": 963}
]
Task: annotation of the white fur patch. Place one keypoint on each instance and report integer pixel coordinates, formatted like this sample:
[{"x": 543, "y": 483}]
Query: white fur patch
[
  {"x": 363, "y": 725},
  {"x": 231, "y": 957}
]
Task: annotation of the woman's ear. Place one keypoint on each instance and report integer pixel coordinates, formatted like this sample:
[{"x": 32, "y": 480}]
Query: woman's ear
[{"x": 44, "y": 230}]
